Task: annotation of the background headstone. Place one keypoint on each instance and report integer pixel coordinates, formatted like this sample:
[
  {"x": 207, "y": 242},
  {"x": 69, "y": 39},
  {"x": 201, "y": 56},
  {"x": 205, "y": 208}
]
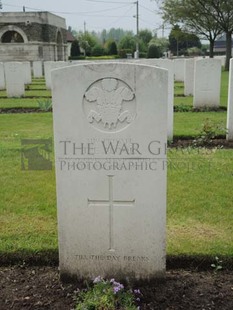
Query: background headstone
[
  {"x": 47, "y": 73},
  {"x": 230, "y": 104},
  {"x": 2, "y": 77},
  {"x": 37, "y": 69},
  {"x": 49, "y": 66},
  {"x": 110, "y": 127},
  {"x": 207, "y": 83},
  {"x": 179, "y": 69},
  {"x": 189, "y": 77},
  {"x": 14, "y": 74},
  {"x": 27, "y": 72},
  {"x": 168, "y": 65}
]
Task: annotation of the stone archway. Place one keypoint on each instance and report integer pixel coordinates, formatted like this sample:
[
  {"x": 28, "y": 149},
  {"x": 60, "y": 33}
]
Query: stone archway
[
  {"x": 12, "y": 34},
  {"x": 59, "y": 42}
]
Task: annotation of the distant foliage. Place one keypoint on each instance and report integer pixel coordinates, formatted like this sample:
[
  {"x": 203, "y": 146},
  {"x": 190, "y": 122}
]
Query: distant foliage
[
  {"x": 145, "y": 35},
  {"x": 153, "y": 51},
  {"x": 75, "y": 48},
  {"x": 115, "y": 34},
  {"x": 161, "y": 43},
  {"x": 97, "y": 50},
  {"x": 128, "y": 42},
  {"x": 180, "y": 41},
  {"x": 123, "y": 52},
  {"x": 111, "y": 47}
]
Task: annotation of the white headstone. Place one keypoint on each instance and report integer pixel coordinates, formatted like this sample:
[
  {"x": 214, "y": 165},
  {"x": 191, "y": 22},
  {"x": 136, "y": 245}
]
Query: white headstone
[
  {"x": 47, "y": 73},
  {"x": 27, "y": 72},
  {"x": 2, "y": 77},
  {"x": 230, "y": 104},
  {"x": 207, "y": 83},
  {"x": 189, "y": 77},
  {"x": 179, "y": 69},
  {"x": 110, "y": 130},
  {"x": 14, "y": 74},
  {"x": 168, "y": 65},
  {"x": 49, "y": 66},
  {"x": 37, "y": 69}
]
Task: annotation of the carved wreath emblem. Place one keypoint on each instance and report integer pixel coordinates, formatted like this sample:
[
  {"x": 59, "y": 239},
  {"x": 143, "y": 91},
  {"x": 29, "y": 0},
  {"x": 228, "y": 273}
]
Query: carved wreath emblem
[{"x": 109, "y": 96}]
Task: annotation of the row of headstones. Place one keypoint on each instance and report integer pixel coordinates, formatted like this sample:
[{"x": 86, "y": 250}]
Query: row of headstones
[
  {"x": 15, "y": 75},
  {"x": 202, "y": 78}
]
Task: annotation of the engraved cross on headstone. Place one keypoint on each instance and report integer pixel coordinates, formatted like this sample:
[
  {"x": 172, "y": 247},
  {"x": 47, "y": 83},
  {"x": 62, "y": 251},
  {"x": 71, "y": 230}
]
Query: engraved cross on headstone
[{"x": 111, "y": 203}]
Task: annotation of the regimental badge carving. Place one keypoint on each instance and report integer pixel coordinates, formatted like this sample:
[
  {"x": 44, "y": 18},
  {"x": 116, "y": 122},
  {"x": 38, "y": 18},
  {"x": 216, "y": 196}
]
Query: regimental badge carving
[{"x": 109, "y": 104}]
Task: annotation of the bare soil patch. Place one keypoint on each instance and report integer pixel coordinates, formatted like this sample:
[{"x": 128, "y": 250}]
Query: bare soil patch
[{"x": 37, "y": 287}]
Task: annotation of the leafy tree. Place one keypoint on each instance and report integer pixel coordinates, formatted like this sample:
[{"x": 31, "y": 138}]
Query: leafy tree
[
  {"x": 145, "y": 36},
  {"x": 153, "y": 51},
  {"x": 209, "y": 17},
  {"x": 87, "y": 41},
  {"x": 195, "y": 15},
  {"x": 127, "y": 42},
  {"x": 75, "y": 48},
  {"x": 111, "y": 47},
  {"x": 161, "y": 43},
  {"x": 194, "y": 51},
  {"x": 180, "y": 41},
  {"x": 97, "y": 50},
  {"x": 223, "y": 12}
]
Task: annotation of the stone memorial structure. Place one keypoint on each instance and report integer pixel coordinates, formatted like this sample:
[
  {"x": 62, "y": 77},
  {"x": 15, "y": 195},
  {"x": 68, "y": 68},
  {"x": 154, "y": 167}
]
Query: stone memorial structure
[
  {"x": 207, "y": 83},
  {"x": 110, "y": 126},
  {"x": 32, "y": 36},
  {"x": 14, "y": 75},
  {"x": 230, "y": 104}
]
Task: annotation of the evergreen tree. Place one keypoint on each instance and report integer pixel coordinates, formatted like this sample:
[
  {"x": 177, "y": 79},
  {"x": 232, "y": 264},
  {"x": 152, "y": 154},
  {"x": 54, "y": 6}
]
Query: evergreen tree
[{"x": 75, "y": 49}]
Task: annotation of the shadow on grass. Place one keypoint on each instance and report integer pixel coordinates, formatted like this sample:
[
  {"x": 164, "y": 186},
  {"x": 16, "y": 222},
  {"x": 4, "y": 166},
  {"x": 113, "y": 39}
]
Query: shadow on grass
[{"x": 51, "y": 258}]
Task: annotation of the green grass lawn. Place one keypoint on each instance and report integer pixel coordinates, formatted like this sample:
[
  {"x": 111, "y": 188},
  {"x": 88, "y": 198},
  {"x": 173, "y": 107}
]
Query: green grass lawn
[
  {"x": 190, "y": 123},
  {"x": 19, "y": 103},
  {"x": 200, "y": 213},
  {"x": 200, "y": 182}
]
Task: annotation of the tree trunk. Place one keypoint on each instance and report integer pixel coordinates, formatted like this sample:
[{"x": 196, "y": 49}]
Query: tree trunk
[
  {"x": 228, "y": 49},
  {"x": 211, "y": 53}
]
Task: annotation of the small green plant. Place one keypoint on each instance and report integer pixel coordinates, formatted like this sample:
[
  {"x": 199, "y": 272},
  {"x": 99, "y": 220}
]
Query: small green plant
[
  {"x": 45, "y": 105},
  {"x": 217, "y": 265},
  {"x": 182, "y": 108},
  {"x": 107, "y": 295},
  {"x": 209, "y": 131}
]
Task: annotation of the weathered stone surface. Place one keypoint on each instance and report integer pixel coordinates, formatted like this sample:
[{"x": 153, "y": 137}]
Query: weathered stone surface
[
  {"x": 110, "y": 125},
  {"x": 14, "y": 74},
  {"x": 168, "y": 65},
  {"x": 2, "y": 77},
  {"x": 27, "y": 72},
  {"x": 179, "y": 69},
  {"x": 207, "y": 83},
  {"x": 189, "y": 77},
  {"x": 37, "y": 69},
  {"x": 230, "y": 104}
]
